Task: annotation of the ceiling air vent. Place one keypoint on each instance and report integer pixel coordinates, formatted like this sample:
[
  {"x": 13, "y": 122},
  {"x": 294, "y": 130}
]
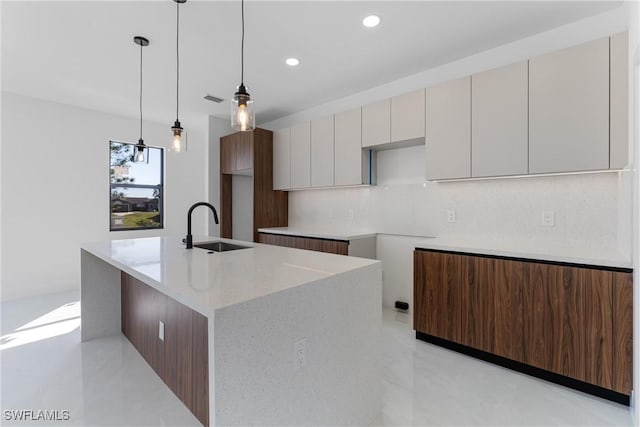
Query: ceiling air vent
[{"x": 213, "y": 98}]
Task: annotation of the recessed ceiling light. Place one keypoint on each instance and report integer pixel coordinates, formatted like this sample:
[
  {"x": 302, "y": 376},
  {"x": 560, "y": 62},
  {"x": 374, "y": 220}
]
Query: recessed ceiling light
[
  {"x": 292, "y": 62},
  {"x": 371, "y": 21}
]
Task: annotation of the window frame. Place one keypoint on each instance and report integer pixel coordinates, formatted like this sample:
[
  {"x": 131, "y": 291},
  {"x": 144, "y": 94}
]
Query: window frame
[{"x": 141, "y": 186}]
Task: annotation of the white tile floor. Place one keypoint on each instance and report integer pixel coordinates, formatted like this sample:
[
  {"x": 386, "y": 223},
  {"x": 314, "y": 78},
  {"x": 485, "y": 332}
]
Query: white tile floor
[{"x": 105, "y": 382}]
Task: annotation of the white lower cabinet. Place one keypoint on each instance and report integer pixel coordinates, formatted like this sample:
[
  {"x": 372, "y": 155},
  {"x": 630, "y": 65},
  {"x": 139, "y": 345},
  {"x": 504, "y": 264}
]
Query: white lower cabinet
[{"x": 448, "y": 130}]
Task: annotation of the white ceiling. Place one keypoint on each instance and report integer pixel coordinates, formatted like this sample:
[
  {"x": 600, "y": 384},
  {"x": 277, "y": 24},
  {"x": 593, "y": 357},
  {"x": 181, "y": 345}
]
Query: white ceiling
[{"x": 82, "y": 52}]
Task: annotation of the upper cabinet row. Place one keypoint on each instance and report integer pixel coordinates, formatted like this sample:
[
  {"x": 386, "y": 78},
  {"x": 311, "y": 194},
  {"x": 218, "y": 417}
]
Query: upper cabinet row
[
  {"x": 324, "y": 152},
  {"x": 564, "y": 111}
]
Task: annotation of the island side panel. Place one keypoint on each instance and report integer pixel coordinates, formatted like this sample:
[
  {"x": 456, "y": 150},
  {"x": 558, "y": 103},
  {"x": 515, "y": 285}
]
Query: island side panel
[
  {"x": 181, "y": 359},
  {"x": 256, "y": 380},
  {"x": 99, "y": 297}
]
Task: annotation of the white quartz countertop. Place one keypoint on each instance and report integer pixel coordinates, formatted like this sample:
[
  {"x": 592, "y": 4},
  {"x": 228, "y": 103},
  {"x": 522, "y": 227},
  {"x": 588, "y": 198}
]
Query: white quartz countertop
[
  {"x": 555, "y": 253},
  {"x": 209, "y": 281},
  {"x": 345, "y": 235}
]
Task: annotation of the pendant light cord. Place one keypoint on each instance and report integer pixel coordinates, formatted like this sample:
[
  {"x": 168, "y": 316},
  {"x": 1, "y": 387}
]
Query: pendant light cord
[
  {"x": 242, "y": 48},
  {"x": 141, "y": 91},
  {"x": 177, "y": 59}
]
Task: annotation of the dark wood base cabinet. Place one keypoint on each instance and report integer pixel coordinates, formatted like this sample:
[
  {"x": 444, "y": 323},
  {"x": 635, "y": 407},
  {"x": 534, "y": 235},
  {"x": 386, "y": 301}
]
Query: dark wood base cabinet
[
  {"x": 556, "y": 321},
  {"x": 339, "y": 247},
  {"x": 181, "y": 360}
]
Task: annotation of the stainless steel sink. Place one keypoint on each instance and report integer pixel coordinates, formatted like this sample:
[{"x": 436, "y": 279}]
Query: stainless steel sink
[{"x": 219, "y": 246}]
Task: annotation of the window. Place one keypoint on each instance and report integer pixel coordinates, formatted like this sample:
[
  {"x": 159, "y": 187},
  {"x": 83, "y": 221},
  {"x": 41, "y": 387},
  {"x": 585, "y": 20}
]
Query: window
[{"x": 136, "y": 189}]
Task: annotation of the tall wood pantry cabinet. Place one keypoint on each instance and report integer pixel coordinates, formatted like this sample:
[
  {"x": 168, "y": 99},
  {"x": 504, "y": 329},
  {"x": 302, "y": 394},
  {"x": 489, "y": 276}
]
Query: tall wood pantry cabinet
[{"x": 251, "y": 154}]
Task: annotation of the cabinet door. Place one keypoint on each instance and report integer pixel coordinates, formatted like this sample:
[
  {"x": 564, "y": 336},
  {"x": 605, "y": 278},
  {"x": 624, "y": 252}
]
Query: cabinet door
[
  {"x": 492, "y": 310},
  {"x": 448, "y": 140},
  {"x": 569, "y": 109},
  {"x": 322, "y": 152},
  {"x": 301, "y": 156},
  {"x": 348, "y": 148},
  {"x": 282, "y": 159},
  {"x": 438, "y": 281},
  {"x": 622, "y": 291},
  {"x": 376, "y": 123},
  {"x": 619, "y": 98},
  {"x": 243, "y": 147},
  {"x": 407, "y": 116},
  {"x": 227, "y": 155},
  {"x": 499, "y": 111}
]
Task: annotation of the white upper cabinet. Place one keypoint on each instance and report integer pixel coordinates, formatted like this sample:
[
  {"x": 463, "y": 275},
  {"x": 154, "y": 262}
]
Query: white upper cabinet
[
  {"x": 282, "y": 159},
  {"x": 349, "y": 162},
  {"x": 499, "y": 134},
  {"x": 376, "y": 123},
  {"x": 301, "y": 155},
  {"x": 619, "y": 98},
  {"x": 569, "y": 109},
  {"x": 448, "y": 126},
  {"x": 407, "y": 116},
  {"x": 322, "y": 152}
]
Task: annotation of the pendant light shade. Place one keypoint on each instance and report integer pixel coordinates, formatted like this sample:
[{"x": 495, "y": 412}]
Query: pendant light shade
[
  {"x": 242, "y": 115},
  {"x": 179, "y": 139},
  {"x": 140, "y": 151}
]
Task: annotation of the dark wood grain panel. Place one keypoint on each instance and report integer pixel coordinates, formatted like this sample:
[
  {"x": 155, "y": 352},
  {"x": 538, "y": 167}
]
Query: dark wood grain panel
[
  {"x": 598, "y": 326},
  {"x": 338, "y": 247},
  {"x": 438, "y": 283},
  {"x": 622, "y": 295},
  {"x": 227, "y": 155},
  {"x": 226, "y": 203},
  {"x": 251, "y": 151},
  {"x": 270, "y": 207},
  {"x": 476, "y": 290},
  {"x": 181, "y": 360},
  {"x": 535, "y": 345}
]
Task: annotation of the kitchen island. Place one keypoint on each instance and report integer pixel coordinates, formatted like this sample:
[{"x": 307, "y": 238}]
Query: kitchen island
[{"x": 262, "y": 335}]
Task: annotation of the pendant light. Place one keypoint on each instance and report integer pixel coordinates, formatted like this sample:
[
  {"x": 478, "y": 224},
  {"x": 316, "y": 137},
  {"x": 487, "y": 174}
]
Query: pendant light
[
  {"x": 179, "y": 142},
  {"x": 139, "y": 154},
  {"x": 242, "y": 114}
]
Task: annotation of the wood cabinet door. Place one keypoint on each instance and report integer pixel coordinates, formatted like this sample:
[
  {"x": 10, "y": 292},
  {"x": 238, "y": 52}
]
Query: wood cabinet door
[
  {"x": 376, "y": 123},
  {"x": 407, "y": 116},
  {"x": 493, "y": 303},
  {"x": 243, "y": 150},
  {"x": 622, "y": 291},
  {"x": 448, "y": 130},
  {"x": 569, "y": 109},
  {"x": 438, "y": 283},
  {"x": 568, "y": 322},
  {"x": 227, "y": 155}
]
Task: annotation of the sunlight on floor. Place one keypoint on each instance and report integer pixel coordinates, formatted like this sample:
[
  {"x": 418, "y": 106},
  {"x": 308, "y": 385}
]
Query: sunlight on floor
[{"x": 60, "y": 321}]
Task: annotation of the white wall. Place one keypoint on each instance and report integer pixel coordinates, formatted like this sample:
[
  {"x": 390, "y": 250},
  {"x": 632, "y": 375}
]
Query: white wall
[
  {"x": 55, "y": 188},
  {"x": 591, "y": 210}
]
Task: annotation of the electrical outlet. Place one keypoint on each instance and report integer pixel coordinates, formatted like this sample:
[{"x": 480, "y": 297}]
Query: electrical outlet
[
  {"x": 161, "y": 331},
  {"x": 451, "y": 215},
  {"x": 299, "y": 355},
  {"x": 548, "y": 218},
  {"x": 351, "y": 214}
]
